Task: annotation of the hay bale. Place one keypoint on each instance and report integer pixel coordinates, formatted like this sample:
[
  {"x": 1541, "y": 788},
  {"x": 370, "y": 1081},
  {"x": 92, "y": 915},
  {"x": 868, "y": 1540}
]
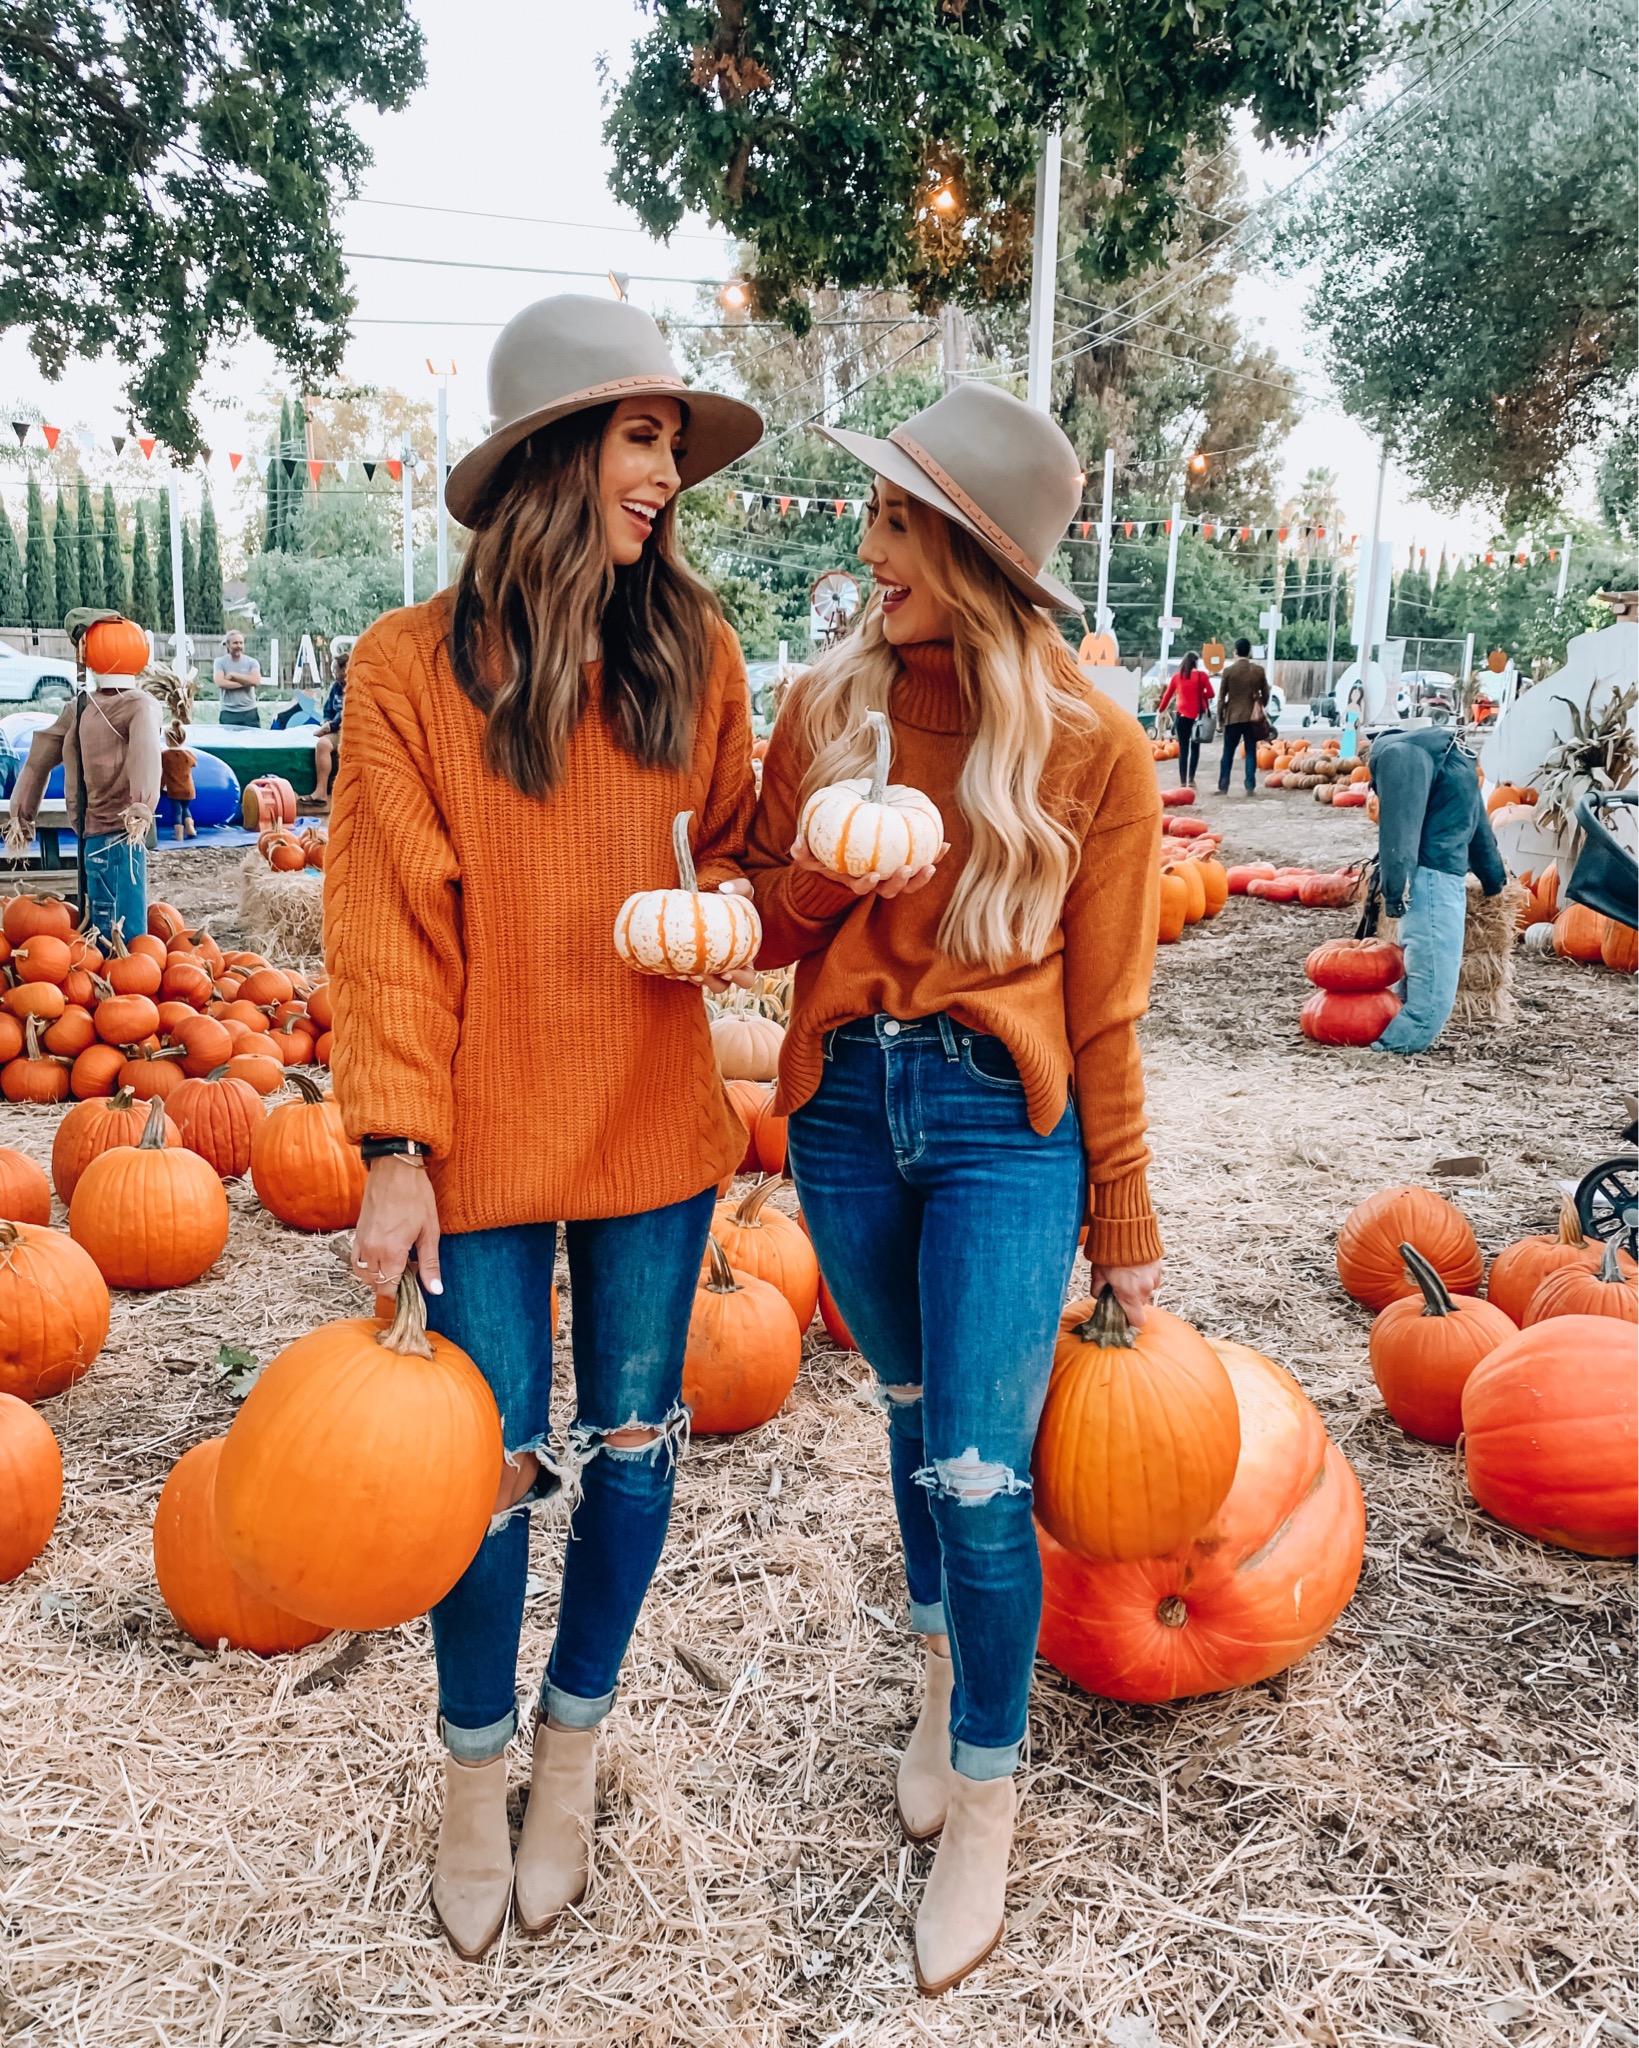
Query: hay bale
[
  {"x": 1485, "y": 986},
  {"x": 282, "y": 915}
]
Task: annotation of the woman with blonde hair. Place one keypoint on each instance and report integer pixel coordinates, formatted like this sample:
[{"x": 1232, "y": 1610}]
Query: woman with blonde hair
[
  {"x": 517, "y": 752},
  {"x": 961, "y": 1070}
]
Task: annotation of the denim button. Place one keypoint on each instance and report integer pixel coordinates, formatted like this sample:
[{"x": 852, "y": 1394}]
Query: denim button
[{"x": 891, "y": 1028}]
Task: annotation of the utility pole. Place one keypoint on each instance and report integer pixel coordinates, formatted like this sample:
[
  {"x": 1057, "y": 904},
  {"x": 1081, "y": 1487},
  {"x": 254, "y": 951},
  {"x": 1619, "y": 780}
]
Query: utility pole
[
  {"x": 407, "y": 482},
  {"x": 1331, "y": 627},
  {"x": 1103, "y": 617},
  {"x": 1166, "y": 620},
  {"x": 443, "y": 471},
  {"x": 1564, "y": 569},
  {"x": 182, "y": 649},
  {"x": 1044, "y": 274},
  {"x": 952, "y": 345}
]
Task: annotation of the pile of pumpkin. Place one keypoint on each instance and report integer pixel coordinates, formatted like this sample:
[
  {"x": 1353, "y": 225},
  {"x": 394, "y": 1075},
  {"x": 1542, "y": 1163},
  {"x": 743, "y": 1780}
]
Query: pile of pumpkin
[
  {"x": 1313, "y": 888},
  {"x": 1534, "y": 1382},
  {"x": 287, "y": 851},
  {"x": 1194, "y": 882},
  {"x": 1574, "y": 932},
  {"x": 1322, "y": 770},
  {"x": 1510, "y": 802},
  {"x": 170, "y": 1006},
  {"x": 1354, "y": 999},
  {"x": 1164, "y": 750}
]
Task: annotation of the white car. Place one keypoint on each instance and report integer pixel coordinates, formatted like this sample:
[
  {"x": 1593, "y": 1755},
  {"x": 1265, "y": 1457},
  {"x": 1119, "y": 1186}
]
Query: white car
[{"x": 32, "y": 679}]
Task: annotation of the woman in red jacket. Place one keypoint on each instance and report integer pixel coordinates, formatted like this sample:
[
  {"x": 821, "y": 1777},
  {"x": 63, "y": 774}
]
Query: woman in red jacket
[{"x": 1191, "y": 690}]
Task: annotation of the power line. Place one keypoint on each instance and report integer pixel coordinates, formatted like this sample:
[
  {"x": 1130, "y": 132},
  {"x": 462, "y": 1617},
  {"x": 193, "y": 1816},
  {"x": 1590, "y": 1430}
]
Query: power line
[
  {"x": 519, "y": 269},
  {"x": 536, "y": 220}
]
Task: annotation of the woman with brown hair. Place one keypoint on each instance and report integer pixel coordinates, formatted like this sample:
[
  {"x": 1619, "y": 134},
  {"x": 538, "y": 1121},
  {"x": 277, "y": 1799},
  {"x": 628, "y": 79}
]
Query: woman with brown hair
[
  {"x": 961, "y": 1069},
  {"x": 517, "y": 752}
]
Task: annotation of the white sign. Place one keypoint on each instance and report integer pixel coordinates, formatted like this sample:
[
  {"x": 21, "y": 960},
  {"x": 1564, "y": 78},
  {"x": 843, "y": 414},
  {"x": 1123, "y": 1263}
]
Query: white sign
[
  {"x": 1270, "y": 618},
  {"x": 1169, "y": 625}
]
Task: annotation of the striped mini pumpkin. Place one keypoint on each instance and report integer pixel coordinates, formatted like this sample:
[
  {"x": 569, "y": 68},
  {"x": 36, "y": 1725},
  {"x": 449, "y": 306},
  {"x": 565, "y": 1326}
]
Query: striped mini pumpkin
[
  {"x": 869, "y": 826},
  {"x": 685, "y": 932}
]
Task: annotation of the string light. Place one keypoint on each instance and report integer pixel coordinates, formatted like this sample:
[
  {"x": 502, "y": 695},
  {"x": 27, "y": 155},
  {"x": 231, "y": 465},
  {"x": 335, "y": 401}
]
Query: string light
[{"x": 734, "y": 295}]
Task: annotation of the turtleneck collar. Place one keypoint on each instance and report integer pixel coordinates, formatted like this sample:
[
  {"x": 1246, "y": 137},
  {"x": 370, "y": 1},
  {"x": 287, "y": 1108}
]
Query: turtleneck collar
[{"x": 927, "y": 694}]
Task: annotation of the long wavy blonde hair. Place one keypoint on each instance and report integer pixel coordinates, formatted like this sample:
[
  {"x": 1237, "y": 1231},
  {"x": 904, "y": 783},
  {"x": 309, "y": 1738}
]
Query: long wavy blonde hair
[{"x": 1011, "y": 669}]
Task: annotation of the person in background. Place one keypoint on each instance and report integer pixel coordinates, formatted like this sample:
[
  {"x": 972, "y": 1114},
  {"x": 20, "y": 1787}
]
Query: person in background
[
  {"x": 1191, "y": 690},
  {"x": 1431, "y": 832},
  {"x": 108, "y": 740},
  {"x": 237, "y": 676},
  {"x": 327, "y": 746},
  {"x": 1241, "y": 707},
  {"x": 176, "y": 767}
]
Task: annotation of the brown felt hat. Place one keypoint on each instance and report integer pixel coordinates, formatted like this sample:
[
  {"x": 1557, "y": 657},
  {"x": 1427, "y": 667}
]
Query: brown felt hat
[
  {"x": 995, "y": 467},
  {"x": 564, "y": 354}
]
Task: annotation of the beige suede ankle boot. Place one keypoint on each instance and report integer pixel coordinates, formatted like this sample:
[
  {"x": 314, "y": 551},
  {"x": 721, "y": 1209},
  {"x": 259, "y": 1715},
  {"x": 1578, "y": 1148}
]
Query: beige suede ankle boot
[
  {"x": 922, "y": 1790},
  {"x": 472, "y": 1871},
  {"x": 555, "y": 1847},
  {"x": 961, "y": 1917}
]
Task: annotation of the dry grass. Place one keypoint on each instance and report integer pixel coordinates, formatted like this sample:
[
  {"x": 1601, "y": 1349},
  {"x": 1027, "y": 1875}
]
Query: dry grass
[
  {"x": 282, "y": 915},
  {"x": 1420, "y": 1834}
]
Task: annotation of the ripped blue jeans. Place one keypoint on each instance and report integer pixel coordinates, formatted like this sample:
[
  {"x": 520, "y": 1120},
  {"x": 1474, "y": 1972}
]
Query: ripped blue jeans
[
  {"x": 946, "y": 1229},
  {"x": 632, "y": 1281}
]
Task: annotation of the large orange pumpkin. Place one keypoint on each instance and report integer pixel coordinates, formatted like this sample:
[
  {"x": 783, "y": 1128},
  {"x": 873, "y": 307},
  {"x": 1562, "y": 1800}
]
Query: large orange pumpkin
[
  {"x": 115, "y": 647},
  {"x": 1619, "y": 948},
  {"x": 1519, "y": 1269},
  {"x": 53, "y": 1311},
  {"x": 31, "y": 1486},
  {"x": 23, "y": 916},
  {"x": 305, "y": 1171},
  {"x": 93, "y": 1127},
  {"x": 770, "y": 1246},
  {"x": 206, "y": 1596},
  {"x": 1138, "y": 1437},
  {"x": 1579, "y": 933},
  {"x": 1189, "y": 873},
  {"x": 1551, "y": 1435},
  {"x": 831, "y": 1316},
  {"x": 768, "y": 1138},
  {"x": 1258, "y": 1588},
  {"x": 1173, "y": 911},
  {"x": 743, "y": 1350},
  {"x": 1368, "y": 1246},
  {"x": 218, "y": 1117},
  {"x": 747, "y": 1099},
  {"x": 96, "y": 1072},
  {"x": 1333, "y": 1019},
  {"x": 1422, "y": 1351},
  {"x": 151, "y": 1215},
  {"x": 1605, "y": 1290},
  {"x": 359, "y": 1477},
  {"x": 25, "y": 1193}
]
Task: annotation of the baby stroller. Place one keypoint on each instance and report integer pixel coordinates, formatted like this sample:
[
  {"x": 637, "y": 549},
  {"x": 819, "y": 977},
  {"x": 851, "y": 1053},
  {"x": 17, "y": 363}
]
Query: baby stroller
[{"x": 1606, "y": 879}]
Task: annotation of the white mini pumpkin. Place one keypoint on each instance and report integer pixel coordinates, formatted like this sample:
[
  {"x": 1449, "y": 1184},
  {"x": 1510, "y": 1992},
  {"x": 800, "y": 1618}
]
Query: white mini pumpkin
[
  {"x": 869, "y": 826},
  {"x": 686, "y": 932}
]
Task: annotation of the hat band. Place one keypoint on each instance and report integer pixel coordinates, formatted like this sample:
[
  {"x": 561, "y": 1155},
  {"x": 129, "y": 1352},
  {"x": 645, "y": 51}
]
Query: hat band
[
  {"x": 953, "y": 490},
  {"x": 595, "y": 394}
]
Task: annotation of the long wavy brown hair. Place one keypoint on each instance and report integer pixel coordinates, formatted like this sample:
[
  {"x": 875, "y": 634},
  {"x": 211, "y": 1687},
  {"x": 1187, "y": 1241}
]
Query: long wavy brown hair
[{"x": 538, "y": 597}]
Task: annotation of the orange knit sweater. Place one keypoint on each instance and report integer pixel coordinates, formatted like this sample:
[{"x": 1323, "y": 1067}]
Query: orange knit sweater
[
  {"x": 480, "y": 1005},
  {"x": 1073, "y": 1013}
]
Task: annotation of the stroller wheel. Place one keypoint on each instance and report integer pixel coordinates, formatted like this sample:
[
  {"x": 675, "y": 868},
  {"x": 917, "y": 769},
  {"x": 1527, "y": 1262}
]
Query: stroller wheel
[{"x": 1607, "y": 1201}]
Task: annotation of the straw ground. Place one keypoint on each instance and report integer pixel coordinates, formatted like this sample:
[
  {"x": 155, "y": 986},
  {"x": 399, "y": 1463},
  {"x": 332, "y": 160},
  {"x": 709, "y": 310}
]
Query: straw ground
[{"x": 1421, "y": 1834}]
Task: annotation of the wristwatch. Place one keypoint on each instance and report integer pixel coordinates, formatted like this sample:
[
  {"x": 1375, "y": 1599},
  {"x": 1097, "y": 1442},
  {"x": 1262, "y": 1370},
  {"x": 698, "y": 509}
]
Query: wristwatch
[{"x": 393, "y": 1148}]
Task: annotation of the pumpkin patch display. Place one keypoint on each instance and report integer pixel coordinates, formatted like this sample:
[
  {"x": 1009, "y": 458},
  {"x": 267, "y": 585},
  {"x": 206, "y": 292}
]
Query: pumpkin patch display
[
  {"x": 743, "y": 1352},
  {"x": 1578, "y": 1290},
  {"x": 771, "y": 1246},
  {"x": 1551, "y": 1435},
  {"x": 1139, "y": 1434},
  {"x": 1519, "y": 1269},
  {"x": 54, "y": 1311},
  {"x": 151, "y": 1214},
  {"x": 31, "y": 1486},
  {"x": 358, "y": 1479},
  {"x": 1369, "y": 1260},
  {"x": 866, "y": 825},
  {"x": 206, "y": 1596},
  {"x": 686, "y": 933},
  {"x": 303, "y": 1168},
  {"x": 1422, "y": 1351},
  {"x": 1258, "y": 1587}
]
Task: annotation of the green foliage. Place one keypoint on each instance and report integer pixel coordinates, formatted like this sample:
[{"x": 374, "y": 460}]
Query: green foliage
[
  {"x": 342, "y": 571},
  {"x": 190, "y": 576},
  {"x": 208, "y": 616},
  {"x": 90, "y": 550},
  {"x": 65, "y": 555},
  {"x": 1618, "y": 479},
  {"x": 39, "y": 576},
  {"x": 1476, "y": 265},
  {"x": 116, "y": 592},
  {"x": 144, "y": 606},
  {"x": 12, "y": 606},
  {"x": 170, "y": 173},
  {"x": 1305, "y": 640},
  {"x": 818, "y": 131},
  {"x": 164, "y": 600}
]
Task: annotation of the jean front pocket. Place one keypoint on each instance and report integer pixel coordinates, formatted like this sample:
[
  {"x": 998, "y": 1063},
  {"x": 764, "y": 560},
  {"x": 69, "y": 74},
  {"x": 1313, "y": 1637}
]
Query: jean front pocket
[{"x": 988, "y": 1061}]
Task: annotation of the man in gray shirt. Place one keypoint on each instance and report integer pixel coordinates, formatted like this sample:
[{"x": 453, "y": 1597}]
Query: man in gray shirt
[{"x": 237, "y": 675}]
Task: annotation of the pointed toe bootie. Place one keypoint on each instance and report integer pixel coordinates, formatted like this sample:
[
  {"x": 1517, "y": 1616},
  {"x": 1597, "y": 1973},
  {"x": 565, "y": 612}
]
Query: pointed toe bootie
[
  {"x": 555, "y": 1848},
  {"x": 472, "y": 1871},
  {"x": 922, "y": 1790},
  {"x": 961, "y": 1918}
]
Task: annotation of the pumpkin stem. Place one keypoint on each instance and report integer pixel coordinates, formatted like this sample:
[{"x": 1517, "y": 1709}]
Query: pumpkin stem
[
  {"x": 1172, "y": 1613},
  {"x": 305, "y": 1086},
  {"x": 878, "y": 722},
  {"x": 722, "y": 1279},
  {"x": 1436, "y": 1299},
  {"x": 123, "y": 1098},
  {"x": 751, "y": 1208},
  {"x": 217, "y": 1073},
  {"x": 1570, "y": 1225},
  {"x": 1107, "y": 1326},
  {"x": 407, "y": 1332},
  {"x": 1610, "y": 1267},
  {"x": 686, "y": 877},
  {"x": 153, "y": 1131},
  {"x": 9, "y": 1234},
  {"x": 116, "y": 940}
]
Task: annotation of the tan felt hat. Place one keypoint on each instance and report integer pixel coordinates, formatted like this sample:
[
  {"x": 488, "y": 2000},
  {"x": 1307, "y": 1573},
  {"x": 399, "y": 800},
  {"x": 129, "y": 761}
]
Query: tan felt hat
[
  {"x": 997, "y": 468},
  {"x": 564, "y": 354}
]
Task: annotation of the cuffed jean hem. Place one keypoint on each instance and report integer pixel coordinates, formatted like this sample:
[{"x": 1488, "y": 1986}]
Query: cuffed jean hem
[
  {"x": 478, "y": 1745},
  {"x": 928, "y": 1618},
  {"x": 968, "y": 1760},
  {"x": 570, "y": 1711}
]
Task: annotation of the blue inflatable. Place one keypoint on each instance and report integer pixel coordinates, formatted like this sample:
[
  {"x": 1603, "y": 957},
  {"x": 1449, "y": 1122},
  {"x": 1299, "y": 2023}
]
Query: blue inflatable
[{"x": 215, "y": 799}]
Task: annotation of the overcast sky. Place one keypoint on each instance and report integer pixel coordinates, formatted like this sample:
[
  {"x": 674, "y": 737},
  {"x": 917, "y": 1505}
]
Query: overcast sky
[{"x": 509, "y": 123}]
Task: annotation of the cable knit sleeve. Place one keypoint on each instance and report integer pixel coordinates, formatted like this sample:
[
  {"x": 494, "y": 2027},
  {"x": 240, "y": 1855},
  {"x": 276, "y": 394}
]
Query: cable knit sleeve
[
  {"x": 393, "y": 927},
  {"x": 799, "y": 909},
  {"x": 720, "y": 830},
  {"x": 1110, "y": 921}
]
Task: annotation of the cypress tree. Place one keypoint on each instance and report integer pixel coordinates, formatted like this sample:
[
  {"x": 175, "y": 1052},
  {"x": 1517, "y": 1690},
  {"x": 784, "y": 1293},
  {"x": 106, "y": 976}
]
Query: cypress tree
[
  {"x": 143, "y": 608},
  {"x": 11, "y": 574},
  {"x": 273, "y": 536},
  {"x": 296, "y": 486},
  {"x": 209, "y": 618},
  {"x": 85, "y": 520},
  {"x": 39, "y": 577},
  {"x": 115, "y": 590},
  {"x": 190, "y": 577},
  {"x": 65, "y": 554},
  {"x": 164, "y": 606}
]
